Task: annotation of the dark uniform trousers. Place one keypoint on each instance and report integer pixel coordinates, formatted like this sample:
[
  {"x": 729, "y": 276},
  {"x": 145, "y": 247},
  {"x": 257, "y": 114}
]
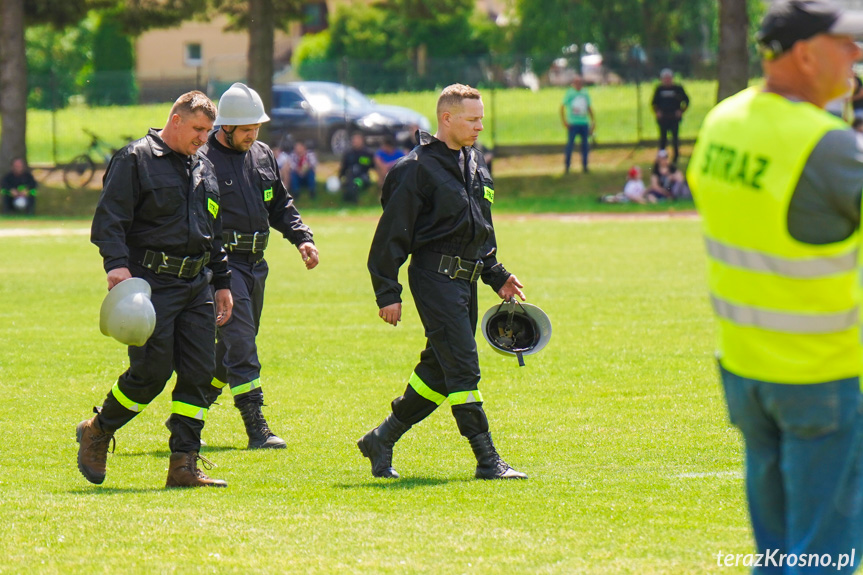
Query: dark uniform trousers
[
  {"x": 237, "y": 362},
  {"x": 449, "y": 365},
  {"x": 672, "y": 126},
  {"x": 183, "y": 342}
]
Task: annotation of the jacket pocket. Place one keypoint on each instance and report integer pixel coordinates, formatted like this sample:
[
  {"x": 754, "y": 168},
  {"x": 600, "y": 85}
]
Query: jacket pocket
[
  {"x": 163, "y": 194},
  {"x": 267, "y": 176}
]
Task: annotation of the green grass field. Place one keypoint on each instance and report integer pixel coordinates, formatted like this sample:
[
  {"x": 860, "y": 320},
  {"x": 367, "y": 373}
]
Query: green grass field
[
  {"x": 513, "y": 116},
  {"x": 619, "y": 422}
]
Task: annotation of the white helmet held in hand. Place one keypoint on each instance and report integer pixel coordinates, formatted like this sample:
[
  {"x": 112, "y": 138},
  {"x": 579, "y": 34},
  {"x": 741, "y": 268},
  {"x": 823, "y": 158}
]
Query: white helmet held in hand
[
  {"x": 127, "y": 313},
  {"x": 516, "y": 328},
  {"x": 240, "y": 106}
]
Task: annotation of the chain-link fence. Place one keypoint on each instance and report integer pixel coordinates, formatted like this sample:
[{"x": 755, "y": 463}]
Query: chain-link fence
[{"x": 522, "y": 108}]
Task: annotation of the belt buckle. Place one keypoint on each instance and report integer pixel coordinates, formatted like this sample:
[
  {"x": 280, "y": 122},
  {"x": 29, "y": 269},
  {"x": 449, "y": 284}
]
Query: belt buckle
[
  {"x": 456, "y": 267},
  {"x": 255, "y": 242},
  {"x": 182, "y": 266},
  {"x": 477, "y": 269},
  {"x": 164, "y": 265},
  {"x": 233, "y": 244}
]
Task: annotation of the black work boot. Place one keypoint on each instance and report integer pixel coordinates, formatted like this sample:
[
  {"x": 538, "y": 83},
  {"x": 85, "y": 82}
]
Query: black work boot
[
  {"x": 260, "y": 436},
  {"x": 183, "y": 471},
  {"x": 378, "y": 444},
  {"x": 93, "y": 449},
  {"x": 489, "y": 465}
]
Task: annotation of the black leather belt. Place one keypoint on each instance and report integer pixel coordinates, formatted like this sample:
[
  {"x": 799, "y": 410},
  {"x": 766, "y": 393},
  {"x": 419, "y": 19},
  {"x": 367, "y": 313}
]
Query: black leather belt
[
  {"x": 161, "y": 263},
  {"x": 242, "y": 242},
  {"x": 248, "y": 257},
  {"x": 451, "y": 266}
]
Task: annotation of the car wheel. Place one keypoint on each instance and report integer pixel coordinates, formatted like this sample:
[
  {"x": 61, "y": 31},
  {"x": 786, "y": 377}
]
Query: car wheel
[{"x": 340, "y": 141}]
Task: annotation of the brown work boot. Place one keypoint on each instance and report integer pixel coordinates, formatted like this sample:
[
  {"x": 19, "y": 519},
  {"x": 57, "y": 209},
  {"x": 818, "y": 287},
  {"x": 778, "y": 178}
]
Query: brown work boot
[
  {"x": 184, "y": 472},
  {"x": 93, "y": 449}
]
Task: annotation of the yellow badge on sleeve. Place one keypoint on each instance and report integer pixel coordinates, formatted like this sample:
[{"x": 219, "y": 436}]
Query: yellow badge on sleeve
[
  {"x": 488, "y": 194},
  {"x": 212, "y": 207},
  {"x": 268, "y": 194}
]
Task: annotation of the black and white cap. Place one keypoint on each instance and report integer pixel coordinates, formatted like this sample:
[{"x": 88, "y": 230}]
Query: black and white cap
[{"x": 788, "y": 21}]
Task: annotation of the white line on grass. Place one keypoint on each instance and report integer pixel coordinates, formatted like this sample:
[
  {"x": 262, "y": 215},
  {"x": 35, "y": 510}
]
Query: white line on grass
[
  {"x": 28, "y": 232},
  {"x": 733, "y": 474}
]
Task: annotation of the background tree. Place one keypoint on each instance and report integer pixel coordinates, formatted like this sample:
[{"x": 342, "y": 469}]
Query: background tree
[
  {"x": 112, "y": 81},
  {"x": 261, "y": 18},
  {"x": 733, "y": 64},
  {"x": 59, "y": 62},
  {"x": 15, "y": 17},
  {"x": 668, "y": 31},
  {"x": 397, "y": 45}
]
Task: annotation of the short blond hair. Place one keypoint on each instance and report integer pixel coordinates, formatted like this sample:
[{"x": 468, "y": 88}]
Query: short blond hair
[
  {"x": 453, "y": 95},
  {"x": 193, "y": 102}
]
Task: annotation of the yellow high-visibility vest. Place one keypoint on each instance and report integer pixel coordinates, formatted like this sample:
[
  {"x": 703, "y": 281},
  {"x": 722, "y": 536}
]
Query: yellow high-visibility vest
[{"x": 787, "y": 310}]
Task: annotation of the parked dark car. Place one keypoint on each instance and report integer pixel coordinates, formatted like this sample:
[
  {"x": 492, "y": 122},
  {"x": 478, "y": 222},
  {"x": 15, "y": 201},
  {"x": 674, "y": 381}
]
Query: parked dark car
[{"x": 326, "y": 113}]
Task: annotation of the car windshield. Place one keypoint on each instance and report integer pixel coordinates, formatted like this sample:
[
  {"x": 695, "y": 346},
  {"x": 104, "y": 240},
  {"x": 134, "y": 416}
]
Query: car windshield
[{"x": 326, "y": 98}]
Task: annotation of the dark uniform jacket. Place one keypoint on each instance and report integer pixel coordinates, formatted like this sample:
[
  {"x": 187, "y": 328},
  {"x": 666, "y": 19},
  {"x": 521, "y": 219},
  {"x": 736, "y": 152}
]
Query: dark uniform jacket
[
  {"x": 156, "y": 199},
  {"x": 670, "y": 99},
  {"x": 428, "y": 208},
  {"x": 253, "y": 195},
  {"x": 357, "y": 163}
]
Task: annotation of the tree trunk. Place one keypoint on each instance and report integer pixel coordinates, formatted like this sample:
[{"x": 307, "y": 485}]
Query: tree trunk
[
  {"x": 260, "y": 59},
  {"x": 13, "y": 83},
  {"x": 733, "y": 65}
]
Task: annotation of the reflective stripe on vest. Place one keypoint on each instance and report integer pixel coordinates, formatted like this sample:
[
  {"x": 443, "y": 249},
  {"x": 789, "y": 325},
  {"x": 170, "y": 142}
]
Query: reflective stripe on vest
[
  {"x": 761, "y": 262},
  {"x": 787, "y": 310},
  {"x": 783, "y": 321}
]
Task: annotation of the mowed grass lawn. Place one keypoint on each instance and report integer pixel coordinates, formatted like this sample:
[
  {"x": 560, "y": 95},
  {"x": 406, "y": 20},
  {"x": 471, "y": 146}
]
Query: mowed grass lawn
[{"x": 619, "y": 422}]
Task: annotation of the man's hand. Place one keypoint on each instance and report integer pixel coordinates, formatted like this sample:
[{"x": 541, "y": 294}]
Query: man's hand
[
  {"x": 511, "y": 288},
  {"x": 392, "y": 314},
  {"x": 224, "y": 305},
  {"x": 117, "y": 275},
  {"x": 310, "y": 254}
]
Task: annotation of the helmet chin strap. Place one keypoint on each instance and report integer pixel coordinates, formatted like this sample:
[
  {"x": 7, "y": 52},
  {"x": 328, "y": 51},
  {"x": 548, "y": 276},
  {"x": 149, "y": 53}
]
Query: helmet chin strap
[{"x": 229, "y": 136}]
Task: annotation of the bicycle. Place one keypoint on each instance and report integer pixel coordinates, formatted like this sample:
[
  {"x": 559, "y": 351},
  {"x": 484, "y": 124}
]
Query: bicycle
[{"x": 80, "y": 171}]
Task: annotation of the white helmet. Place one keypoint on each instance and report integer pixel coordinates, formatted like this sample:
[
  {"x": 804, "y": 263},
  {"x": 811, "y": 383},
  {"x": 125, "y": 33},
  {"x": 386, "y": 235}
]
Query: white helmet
[
  {"x": 127, "y": 313},
  {"x": 240, "y": 106},
  {"x": 516, "y": 328}
]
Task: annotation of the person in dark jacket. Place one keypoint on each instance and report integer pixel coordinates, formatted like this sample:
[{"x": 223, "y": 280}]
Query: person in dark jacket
[
  {"x": 18, "y": 189},
  {"x": 253, "y": 199},
  {"x": 355, "y": 167},
  {"x": 669, "y": 103},
  {"x": 158, "y": 219},
  {"x": 437, "y": 210}
]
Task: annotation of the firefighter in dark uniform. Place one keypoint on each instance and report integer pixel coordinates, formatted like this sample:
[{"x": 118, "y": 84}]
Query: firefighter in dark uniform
[
  {"x": 253, "y": 199},
  {"x": 158, "y": 219},
  {"x": 437, "y": 209}
]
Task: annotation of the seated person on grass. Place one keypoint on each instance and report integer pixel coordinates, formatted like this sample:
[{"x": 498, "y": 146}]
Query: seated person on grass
[
  {"x": 666, "y": 181},
  {"x": 19, "y": 189}
]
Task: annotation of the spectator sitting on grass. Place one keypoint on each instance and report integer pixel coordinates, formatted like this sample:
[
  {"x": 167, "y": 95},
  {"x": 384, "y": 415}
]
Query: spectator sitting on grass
[
  {"x": 303, "y": 163},
  {"x": 633, "y": 191},
  {"x": 666, "y": 181},
  {"x": 19, "y": 189},
  {"x": 386, "y": 157}
]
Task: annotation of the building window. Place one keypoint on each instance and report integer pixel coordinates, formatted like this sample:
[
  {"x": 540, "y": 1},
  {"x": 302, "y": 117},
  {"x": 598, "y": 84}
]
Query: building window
[
  {"x": 315, "y": 17},
  {"x": 192, "y": 56}
]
